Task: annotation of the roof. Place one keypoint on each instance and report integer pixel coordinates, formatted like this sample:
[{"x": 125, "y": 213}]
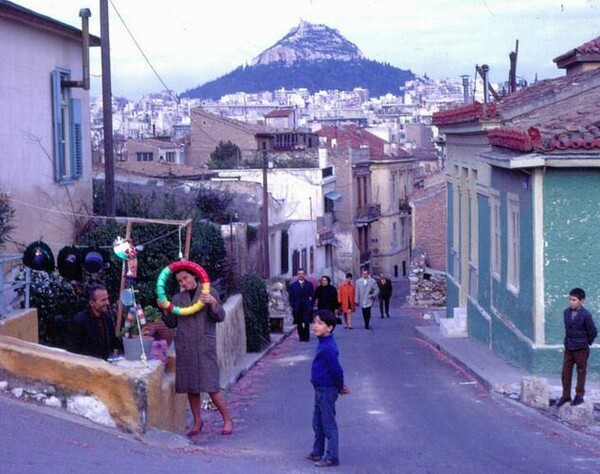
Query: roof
[
  {"x": 587, "y": 52},
  {"x": 464, "y": 114},
  {"x": 351, "y": 136},
  {"x": 280, "y": 113},
  {"x": 28, "y": 17},
  {"x": 559, "y": 114}
]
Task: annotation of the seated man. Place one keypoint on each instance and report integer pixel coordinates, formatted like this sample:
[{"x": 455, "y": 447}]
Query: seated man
[{"x": 92, "y": 331}]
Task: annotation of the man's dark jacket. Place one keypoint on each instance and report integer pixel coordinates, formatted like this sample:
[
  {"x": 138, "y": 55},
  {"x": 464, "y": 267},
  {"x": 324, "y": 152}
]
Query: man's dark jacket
[
  {"x": 302, "y": 298},
  {"x": 85, "y": 337},
  {"x": 579, "y": 332}
]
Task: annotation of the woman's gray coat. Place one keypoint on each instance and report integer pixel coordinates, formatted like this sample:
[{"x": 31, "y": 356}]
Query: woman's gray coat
[{"x": 196, "y": 368}]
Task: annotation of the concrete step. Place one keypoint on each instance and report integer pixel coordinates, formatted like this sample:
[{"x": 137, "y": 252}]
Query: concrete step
[{"x": 449, "y": 328}]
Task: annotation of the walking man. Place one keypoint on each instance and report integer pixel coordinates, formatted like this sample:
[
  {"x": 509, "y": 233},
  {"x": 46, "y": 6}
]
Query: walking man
[
  {"x": 302, "y": 296},
  {"x": 385, "y": 293},
  {"x": 366, "y": 292}
]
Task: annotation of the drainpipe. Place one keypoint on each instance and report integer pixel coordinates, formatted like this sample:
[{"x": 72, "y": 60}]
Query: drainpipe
[{"x": 85, "y": 14}]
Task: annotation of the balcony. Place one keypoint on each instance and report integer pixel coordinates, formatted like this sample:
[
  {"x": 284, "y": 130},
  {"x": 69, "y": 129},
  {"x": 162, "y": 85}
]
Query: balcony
[
  {"x": 367, "y": 214},
  {"x": 365, "y": 257},
  {"x": 404, "y": 207}
]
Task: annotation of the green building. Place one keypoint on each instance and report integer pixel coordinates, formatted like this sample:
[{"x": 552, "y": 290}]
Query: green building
[{"x": 523, "y": 191}]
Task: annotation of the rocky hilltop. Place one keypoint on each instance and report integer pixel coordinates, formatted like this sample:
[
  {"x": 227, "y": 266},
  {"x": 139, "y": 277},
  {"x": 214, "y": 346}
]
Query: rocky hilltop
[
  {"x": 309, "y": 42},
  {"x": 315, "y": 57}
]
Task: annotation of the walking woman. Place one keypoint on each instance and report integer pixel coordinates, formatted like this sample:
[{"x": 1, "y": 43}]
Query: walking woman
[{"x": 346, "y": 295}]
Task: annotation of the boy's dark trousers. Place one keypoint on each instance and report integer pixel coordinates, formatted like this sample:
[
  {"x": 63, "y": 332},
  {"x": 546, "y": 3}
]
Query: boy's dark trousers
[
  {"x": 366, "y": 312},
  {"x": 324, "y": 424},
  {"x": 578, "y": 357}
]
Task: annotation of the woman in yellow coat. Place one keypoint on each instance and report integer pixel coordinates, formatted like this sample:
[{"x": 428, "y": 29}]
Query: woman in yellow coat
[{"x": 346, "y": 295}]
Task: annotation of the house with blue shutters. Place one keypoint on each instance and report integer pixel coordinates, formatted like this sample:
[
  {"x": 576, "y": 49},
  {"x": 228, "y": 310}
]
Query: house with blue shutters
[
  {"x": 523, "y": 193},
  {"x": 45, "y": 151}
]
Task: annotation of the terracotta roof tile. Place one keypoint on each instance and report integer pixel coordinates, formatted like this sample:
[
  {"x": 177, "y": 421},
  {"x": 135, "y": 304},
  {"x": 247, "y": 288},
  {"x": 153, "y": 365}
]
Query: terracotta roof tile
[
  {"x": 587, "y": 51},
  {"x": 464, "y": 114}
]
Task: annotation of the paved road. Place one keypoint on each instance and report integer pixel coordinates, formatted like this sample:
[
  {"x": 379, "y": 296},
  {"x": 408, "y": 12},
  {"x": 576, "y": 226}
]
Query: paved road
[{"x": 410, "y": 410}]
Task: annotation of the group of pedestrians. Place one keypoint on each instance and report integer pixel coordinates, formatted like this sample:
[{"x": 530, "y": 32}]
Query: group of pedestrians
[{"x": 305, "y": 300}]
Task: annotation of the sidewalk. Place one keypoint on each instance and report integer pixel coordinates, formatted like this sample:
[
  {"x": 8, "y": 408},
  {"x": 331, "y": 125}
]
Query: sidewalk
[{"x": 493, "y": 371}]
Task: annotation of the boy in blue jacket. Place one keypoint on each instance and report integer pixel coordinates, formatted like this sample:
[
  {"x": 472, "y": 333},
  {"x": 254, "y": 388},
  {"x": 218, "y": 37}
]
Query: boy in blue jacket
[
  {"x": 327, "y": 377},
  {"x": 580, "y": 332}
]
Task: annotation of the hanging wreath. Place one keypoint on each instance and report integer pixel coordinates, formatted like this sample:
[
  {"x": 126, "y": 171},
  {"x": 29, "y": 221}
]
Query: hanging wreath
[{"x": 174, "y": 267}]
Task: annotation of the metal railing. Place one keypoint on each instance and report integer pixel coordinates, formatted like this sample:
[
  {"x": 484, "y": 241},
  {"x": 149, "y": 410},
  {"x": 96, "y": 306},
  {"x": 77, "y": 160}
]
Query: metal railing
[{"x": 10, "y": 287}]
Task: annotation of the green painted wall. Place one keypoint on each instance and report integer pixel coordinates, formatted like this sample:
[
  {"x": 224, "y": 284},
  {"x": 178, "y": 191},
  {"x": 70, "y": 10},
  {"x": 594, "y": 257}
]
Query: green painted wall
[
  {"x": 484, "y": 254},
  {"x": 517, "y": 308},
  {"x": 572, "y": 244},
  {"x": 449, "y": 230},
  {"x": 478, "y": 326}
]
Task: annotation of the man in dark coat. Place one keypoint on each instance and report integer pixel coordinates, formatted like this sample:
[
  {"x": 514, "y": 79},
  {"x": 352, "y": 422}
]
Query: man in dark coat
[
  {"x": 302, "y": 295},
  {"x": 385, "y": 293},
  {"x": 92, "y": 331}
]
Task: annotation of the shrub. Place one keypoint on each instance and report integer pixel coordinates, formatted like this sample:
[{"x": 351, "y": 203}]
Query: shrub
[
  {"x": 256, "y": 313},
  {"x": 56, "y": 301}
]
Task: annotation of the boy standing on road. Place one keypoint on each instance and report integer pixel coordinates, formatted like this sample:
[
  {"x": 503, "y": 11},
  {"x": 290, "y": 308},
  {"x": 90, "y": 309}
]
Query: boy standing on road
[
  {"x": 580, "y": 332},
  {"x": 327, "y": 377}
]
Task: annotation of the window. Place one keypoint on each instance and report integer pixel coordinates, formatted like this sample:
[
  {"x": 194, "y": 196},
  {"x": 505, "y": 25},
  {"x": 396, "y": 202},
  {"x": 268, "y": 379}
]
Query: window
[
  {"x": 394, "y": 186},
  {"x": 170, "y": 156},
  {"x": 144, "y": 156},
  {"x": 514, "y": 250},
  {"x": 394, "y": 235},
  {"x": 67, "y": 122},
  {"x": 495, "y": 234},
  {"x": 285, "y": 261}
]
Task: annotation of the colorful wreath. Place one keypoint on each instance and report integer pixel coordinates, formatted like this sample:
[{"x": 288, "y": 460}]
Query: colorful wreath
[{"x": 174, "y": 267}]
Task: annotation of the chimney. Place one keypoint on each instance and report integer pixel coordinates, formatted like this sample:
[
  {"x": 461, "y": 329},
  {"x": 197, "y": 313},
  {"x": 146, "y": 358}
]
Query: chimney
[
  {"x": 465, "y": 84},
  {"x": 486, "y": 87},
  {"x": 322, "y": 157},
  {"x": 85, "y": 15}
]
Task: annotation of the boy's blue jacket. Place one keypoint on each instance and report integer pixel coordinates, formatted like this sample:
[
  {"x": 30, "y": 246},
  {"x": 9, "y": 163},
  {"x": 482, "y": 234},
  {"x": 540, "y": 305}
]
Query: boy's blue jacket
[{"x": 326, "y": 368}]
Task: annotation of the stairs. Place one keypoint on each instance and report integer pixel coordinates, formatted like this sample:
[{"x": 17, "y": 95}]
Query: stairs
[{"x": 455, "y": 327}]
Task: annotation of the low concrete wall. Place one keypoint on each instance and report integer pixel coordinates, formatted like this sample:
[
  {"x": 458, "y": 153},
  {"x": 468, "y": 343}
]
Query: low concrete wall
[
  {"x": 22, "y": 324},
  {"x": 137, "y": 396},
  {"x": 231, "y": 336}
]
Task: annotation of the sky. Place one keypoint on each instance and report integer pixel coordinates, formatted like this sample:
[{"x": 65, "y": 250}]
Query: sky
[{"x": 189, "y": 42}]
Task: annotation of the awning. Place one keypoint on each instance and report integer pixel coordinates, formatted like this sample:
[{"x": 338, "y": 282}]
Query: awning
[{"x": 334, "y": 196}]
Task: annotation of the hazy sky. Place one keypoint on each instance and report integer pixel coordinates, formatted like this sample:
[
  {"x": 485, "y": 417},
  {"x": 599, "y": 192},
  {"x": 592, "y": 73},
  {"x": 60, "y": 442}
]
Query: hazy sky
[{"x": 190, "y": 42}]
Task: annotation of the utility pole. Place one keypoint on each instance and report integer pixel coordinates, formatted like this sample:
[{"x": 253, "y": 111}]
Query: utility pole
[
  {"x": 265, "y": 216},
  {"x": 109, "y": 163}
]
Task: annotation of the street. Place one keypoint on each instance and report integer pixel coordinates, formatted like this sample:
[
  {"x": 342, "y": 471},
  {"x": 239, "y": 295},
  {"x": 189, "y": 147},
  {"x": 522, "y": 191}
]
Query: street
[{"x": 410, "y": 410}]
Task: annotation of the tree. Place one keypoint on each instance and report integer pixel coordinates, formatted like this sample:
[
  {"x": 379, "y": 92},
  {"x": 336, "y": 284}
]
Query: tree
[
  {"x": 226, "y": 156},
  {"x": 7, "y": 213}
]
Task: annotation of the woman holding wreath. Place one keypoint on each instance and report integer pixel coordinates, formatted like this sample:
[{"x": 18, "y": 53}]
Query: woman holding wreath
[{"x": 196, "y": 368}]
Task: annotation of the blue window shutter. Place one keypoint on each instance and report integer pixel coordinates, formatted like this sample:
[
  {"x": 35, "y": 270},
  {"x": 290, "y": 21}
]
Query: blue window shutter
[
  {"x": 58, "y": 126},
  {"x": 76, "y": 139}
]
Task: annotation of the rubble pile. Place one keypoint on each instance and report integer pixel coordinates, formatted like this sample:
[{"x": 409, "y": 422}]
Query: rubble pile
[
  {"x": 279, "y": 305},
  {"x": 427, "y": 287}
]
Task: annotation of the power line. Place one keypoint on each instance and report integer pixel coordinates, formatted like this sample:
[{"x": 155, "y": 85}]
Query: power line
[{"x": 144, "y": 54}]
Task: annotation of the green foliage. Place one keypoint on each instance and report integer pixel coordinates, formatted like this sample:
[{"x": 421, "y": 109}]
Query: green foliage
[
  {"x": 226, "y": 156},
  {"x": 256, "y": 313},
  {"x": 7, "y": 213},
  {"x": 214, "y": 205},
  {"x": 378, "y": 78},
  {"x": 56, "y": 302}
]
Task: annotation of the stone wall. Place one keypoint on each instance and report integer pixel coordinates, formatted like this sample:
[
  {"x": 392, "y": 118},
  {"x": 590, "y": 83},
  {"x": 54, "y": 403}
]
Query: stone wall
[{"x": 429, "y": 221}]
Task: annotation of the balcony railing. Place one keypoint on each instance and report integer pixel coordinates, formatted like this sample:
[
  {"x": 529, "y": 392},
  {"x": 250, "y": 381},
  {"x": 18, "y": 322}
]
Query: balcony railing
[
  {"x": 367, "y": 214},
  {"x": 404, "y": 206},
  {"x": 365, "y": 257}
]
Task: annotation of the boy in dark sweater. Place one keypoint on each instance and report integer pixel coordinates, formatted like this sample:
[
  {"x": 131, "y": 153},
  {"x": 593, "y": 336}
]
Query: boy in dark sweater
[
  {"x": 327, "y": 377},
  {"x": 580, "y": 332}
]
